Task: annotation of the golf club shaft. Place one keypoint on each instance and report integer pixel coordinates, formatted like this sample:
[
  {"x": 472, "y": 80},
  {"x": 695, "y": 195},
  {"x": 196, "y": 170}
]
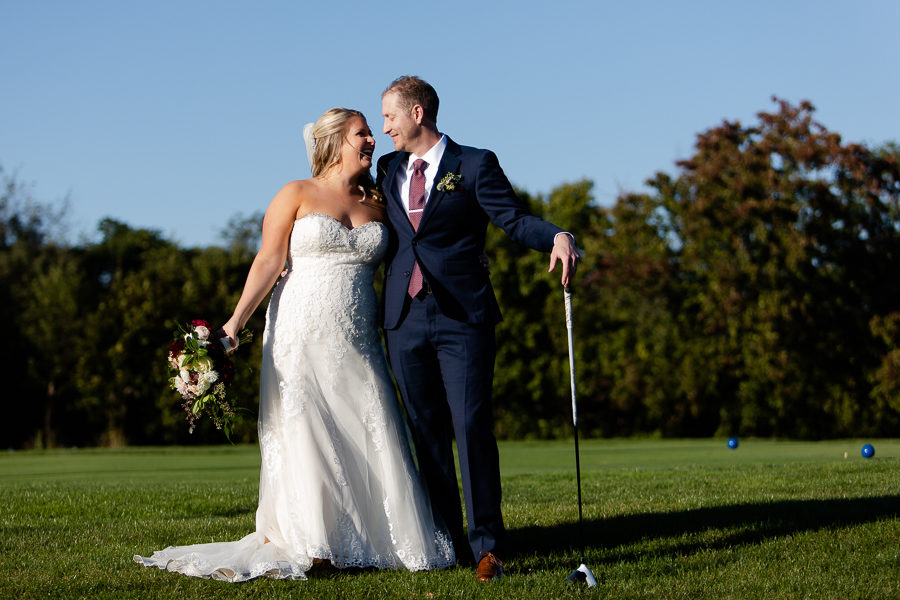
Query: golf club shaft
[
  {"x": 569, "y": 330},
  {"x": 578, "y": 478}
]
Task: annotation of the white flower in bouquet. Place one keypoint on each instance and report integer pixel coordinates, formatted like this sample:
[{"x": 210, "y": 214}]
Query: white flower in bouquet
[
  {"x": 207, "y": 379},
  {"x": 180, "y": 386},
  {"x": 202, "y": 386},
  {"x": 204, "y": 364},
  {"x": 202, "y": 332}
]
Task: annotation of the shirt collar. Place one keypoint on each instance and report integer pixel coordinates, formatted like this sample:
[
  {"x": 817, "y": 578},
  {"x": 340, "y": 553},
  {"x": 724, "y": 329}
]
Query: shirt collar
[{"x": 432, "y": 157}]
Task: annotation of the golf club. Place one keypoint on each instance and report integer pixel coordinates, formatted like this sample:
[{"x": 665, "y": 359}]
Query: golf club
[{"x": 582, "y": 574}]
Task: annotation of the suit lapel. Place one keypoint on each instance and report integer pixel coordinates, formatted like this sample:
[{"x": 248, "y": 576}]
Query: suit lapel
[
  {"x": 389, "y": 186},
  {"x": 449, "y": 164}
]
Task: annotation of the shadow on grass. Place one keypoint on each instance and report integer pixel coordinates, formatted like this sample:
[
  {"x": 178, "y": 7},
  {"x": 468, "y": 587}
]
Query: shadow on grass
[{"x": 737, "y": 525}]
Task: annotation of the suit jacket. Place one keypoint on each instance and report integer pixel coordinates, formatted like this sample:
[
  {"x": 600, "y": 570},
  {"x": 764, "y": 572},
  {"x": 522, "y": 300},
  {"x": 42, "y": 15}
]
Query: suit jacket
[{"x": 451, "y": 234}]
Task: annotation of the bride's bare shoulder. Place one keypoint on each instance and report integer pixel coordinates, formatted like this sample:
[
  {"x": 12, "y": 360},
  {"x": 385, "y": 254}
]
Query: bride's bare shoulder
[
  {"x": 296, "y": 193},
  {"x": 299, "y": 188},
  {"x": 290, "y": 198}
]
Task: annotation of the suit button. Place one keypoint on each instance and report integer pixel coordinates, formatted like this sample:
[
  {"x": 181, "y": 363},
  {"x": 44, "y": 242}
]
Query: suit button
[
  {"x": 415, "y": 243},
  {"x": 407, "y": 274}
]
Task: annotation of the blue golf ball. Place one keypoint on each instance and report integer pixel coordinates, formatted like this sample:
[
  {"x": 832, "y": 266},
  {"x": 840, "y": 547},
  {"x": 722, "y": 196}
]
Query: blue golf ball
[
  {"x": 868, "y": 451},
  {"x": 732, "y": 443}
]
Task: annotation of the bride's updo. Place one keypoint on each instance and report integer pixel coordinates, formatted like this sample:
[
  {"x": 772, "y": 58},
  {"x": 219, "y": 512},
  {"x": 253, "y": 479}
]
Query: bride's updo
[{"x": 329, "y": 134}]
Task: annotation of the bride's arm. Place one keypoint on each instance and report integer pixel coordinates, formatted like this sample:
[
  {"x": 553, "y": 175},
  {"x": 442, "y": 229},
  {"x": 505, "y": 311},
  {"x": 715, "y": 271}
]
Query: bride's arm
[{"x": 269, "y": 261}]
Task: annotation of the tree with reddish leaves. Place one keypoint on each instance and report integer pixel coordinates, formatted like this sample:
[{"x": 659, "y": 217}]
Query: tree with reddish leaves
[{"x": 786, "y": 247}]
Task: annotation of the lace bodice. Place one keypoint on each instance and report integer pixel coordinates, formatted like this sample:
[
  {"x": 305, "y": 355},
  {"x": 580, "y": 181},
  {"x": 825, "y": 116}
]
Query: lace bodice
[
  {"x": 320, "y": 236},
  {"x": 329, "y": 278}
]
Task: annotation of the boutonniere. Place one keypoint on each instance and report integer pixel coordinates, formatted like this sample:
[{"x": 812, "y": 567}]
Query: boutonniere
[{"x": 449, "y": 182}]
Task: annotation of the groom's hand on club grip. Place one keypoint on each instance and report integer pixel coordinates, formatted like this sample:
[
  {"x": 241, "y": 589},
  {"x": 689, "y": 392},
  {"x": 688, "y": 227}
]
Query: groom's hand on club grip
[{"x": 565, "y": 251}]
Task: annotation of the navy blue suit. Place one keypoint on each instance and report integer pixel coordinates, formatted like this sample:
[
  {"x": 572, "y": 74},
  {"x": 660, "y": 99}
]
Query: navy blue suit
[{"x": 441, "y": 345}]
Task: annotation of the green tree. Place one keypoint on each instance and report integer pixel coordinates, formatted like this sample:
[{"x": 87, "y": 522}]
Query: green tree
[
  {"x": 37, "y": 283},
  {"x": 531, "y": 382},
  {"x": 631, "y": 334},
  {"x": 143, "y": 287},
  {"x": 51, "y": 322}
]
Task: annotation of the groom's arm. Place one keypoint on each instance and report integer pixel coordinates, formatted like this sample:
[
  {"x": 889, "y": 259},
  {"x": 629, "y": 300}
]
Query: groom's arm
[
  {"x": 506, "y": 210},
  {"x": 499, "y": 200}
]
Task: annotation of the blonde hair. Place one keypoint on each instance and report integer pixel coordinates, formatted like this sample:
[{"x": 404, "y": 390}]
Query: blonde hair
[{"x": 329, "y": 134}]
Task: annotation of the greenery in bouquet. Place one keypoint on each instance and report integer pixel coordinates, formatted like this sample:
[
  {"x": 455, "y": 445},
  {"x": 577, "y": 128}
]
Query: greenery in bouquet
[{"x": 202, "y": 374}]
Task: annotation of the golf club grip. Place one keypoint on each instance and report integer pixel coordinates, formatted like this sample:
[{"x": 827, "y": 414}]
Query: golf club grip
[{"x": 571, "y": 340}]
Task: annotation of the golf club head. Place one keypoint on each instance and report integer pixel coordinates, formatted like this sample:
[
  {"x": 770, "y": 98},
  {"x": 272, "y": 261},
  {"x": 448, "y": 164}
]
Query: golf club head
[{"x": 582, "y": 575}]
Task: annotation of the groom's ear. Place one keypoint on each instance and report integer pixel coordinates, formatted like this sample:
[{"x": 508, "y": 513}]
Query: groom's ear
[{"x": 417, "y": 113}]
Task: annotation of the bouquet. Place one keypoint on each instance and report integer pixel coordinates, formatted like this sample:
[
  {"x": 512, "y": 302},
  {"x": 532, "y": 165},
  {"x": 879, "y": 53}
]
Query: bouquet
[{"x": 202, "y": 374}]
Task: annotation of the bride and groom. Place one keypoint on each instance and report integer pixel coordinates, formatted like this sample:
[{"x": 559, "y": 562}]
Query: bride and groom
[{"x": 338, "y": 481}]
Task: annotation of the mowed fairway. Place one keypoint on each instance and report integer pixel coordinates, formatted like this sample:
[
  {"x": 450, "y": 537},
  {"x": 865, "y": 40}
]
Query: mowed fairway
[{"x": 663, "y": 519}]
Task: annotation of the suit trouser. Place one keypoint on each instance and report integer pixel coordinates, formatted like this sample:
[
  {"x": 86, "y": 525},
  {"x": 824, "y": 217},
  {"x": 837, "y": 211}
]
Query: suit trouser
[{"x": 445, "y": 370}]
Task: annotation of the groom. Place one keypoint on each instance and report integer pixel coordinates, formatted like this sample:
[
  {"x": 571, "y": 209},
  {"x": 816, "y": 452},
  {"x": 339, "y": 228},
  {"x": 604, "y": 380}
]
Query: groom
[{"x": 440, "y": 310}]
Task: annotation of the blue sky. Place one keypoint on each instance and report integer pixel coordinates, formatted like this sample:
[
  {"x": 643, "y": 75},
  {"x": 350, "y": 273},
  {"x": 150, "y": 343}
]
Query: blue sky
[{"x": 178, "y": 115}]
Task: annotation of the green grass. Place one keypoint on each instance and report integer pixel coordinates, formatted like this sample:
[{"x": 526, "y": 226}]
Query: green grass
[{"x": 663, "y": 519}]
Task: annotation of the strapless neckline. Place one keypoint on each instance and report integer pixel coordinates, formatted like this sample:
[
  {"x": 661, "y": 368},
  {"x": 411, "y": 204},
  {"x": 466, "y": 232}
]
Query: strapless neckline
[{"x": 338, "y": 221}]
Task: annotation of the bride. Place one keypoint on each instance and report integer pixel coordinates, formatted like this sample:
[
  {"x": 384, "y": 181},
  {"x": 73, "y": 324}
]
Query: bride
[{"x": 337, "y": 482}]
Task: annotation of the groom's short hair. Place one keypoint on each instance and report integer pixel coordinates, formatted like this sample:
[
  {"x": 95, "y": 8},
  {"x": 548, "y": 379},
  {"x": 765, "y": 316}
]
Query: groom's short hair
[{"x": 412, "y": 90}]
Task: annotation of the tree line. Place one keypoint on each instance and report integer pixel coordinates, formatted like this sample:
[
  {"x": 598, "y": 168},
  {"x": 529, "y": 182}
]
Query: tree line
[{"x": 755, "y": 291}]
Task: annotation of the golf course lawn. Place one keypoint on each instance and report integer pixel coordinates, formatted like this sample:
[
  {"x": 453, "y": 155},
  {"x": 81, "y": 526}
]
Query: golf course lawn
[{"x": 662, "y": 519}]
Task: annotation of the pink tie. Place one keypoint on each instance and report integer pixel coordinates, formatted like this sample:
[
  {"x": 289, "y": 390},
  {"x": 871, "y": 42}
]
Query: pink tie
[{"x": 416, "y": 206}]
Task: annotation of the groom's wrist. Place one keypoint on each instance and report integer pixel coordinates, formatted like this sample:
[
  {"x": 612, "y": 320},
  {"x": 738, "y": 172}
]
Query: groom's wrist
[{"x": 571, "y": 237}]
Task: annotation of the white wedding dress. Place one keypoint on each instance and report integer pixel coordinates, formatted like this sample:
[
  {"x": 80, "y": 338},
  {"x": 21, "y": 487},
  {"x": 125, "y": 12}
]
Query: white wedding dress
[{"x": 337, "y": 479}]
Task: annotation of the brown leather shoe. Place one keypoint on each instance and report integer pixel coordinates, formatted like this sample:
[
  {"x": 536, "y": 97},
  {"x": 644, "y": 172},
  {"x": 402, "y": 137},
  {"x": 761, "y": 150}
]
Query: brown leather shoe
[{"x": 489, "y": 567}]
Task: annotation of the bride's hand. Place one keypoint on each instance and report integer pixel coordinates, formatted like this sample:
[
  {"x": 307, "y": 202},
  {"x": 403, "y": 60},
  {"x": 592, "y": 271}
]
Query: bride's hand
[{"x": 228, "y": 337}]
